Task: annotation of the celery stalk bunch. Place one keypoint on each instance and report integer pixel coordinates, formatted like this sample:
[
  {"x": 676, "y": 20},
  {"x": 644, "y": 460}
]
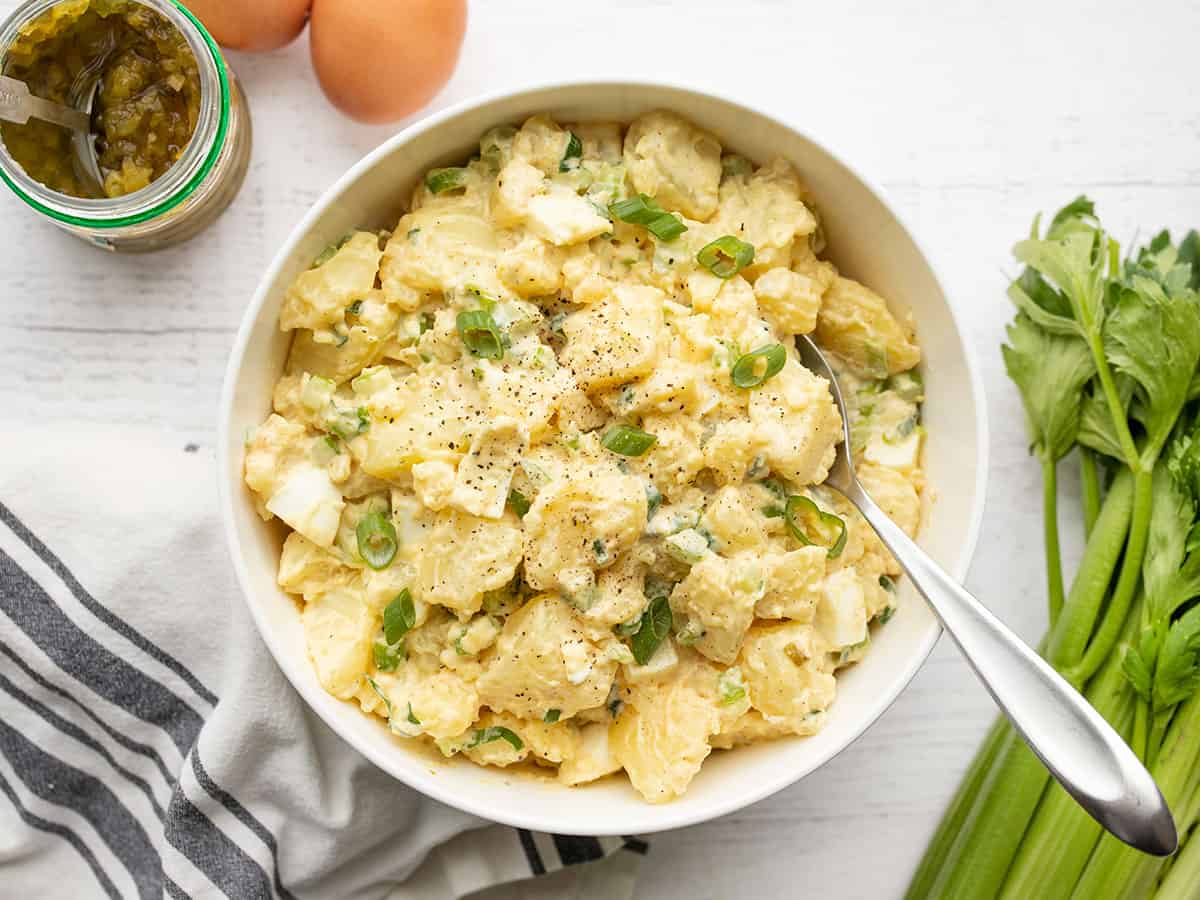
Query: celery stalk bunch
[{"x": 1105, "y": 352}]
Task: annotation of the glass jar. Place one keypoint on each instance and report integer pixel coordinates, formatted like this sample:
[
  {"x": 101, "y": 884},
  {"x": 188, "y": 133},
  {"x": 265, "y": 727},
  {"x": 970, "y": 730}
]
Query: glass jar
[{"x": 191, "y": 193}]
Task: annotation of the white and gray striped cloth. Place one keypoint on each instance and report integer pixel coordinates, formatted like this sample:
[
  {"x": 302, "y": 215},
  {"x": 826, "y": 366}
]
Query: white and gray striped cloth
[{"x": 149, "y": 746}]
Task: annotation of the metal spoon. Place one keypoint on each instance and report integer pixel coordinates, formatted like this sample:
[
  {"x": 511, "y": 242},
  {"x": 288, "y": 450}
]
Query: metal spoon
[
  {"x": 1081, "y": 750},
  {"x": 18, "y": 105}
]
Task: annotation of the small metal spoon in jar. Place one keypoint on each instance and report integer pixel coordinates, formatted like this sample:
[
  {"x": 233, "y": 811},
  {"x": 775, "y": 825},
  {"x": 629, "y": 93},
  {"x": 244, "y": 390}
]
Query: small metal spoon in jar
[
  {"x": 18, "y": 105},
  {"x": 1081, "y": 750}
]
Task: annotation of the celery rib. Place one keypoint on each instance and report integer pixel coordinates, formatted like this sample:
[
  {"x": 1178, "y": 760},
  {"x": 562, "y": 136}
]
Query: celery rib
[
  {"x": 1089, "y": 480},
  {"x": 1061, "y": 837},
  {"x": 1131, "y": 572},
  {"x": 1054, "y": 579},
  {"x": 957, "y": 812}
]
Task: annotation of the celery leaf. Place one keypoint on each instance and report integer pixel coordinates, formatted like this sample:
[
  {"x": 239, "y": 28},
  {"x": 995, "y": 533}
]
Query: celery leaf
[
  {"x": 1154, "y": 338},
  {"x": 1177, "y": 674},
  {"x": 1050, "y": 370}
]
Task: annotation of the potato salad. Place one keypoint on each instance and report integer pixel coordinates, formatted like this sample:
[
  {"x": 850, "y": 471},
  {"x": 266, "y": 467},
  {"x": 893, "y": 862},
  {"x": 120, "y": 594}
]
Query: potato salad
[{"x": 552, "y": 471}]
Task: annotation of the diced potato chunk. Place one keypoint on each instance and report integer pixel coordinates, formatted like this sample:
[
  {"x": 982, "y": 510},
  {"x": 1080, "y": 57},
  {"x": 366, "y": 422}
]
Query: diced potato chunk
[
  {"x": 787, "y": 672},
  {"x": 661, "y": 735},
  {"x": 318, "y": 298},
  {"x": 306, "y": 569},
  {"x": 533, "y": 663},
  {"x": 856, "y": 324},
  {"x": 676, "y": 457},
  {"x": 572, "y": 519},
  {"x": 444, "y": 703},
  {"x": 620, "y": 592},
  {"x": 439, "y": 248},
  {"x": 432, "y": 416},
  {"x": 464, "y": 557},
  {"x": 533, "y": 268},
  {"x": 276, "y": 447},
  {"x": 485, "y": 473},
  {"x": 719, "y": 594},
  {"x": 433, "y": 483},
  {"x": 793, "y": 584},
  {"x": 789, "y": 300},
  {"x": 894, "y": 493},
  {"x": 765, "y": 209},
  {"x": 338, "y": 627},
  {"x": 798, "y": 422},
  {"x": 675, "y": 163},
  {"x": 615, "y": 341},
  {"x": 734, "y": 522},
  {"x": 540, "y": 142}
]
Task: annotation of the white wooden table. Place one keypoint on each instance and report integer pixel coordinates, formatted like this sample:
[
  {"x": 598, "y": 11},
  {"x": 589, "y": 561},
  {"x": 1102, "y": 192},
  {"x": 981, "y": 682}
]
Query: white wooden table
[{"x": 972, "y": 115}]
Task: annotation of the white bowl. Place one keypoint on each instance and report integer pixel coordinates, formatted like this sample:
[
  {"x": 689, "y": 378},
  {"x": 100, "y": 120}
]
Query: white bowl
[{"x": 866, "y": 240}]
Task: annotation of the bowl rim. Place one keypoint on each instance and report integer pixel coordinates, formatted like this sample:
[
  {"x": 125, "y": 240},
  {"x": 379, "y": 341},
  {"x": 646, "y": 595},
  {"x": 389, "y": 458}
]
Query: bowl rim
[{"x": 417, "y": 777}]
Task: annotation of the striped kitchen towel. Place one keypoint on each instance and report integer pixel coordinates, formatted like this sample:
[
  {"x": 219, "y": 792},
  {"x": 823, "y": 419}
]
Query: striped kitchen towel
[{"x": 149, "y": 746}]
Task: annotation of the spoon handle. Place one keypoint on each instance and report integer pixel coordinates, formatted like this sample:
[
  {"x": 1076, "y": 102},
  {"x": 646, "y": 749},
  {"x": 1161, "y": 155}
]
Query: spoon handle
[
  {"x": 1081, "y": 750},
  {"x": 19, "y": 106}
]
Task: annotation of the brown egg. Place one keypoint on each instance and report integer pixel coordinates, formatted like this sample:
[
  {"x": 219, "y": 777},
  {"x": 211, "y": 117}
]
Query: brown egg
[
  {"x": 254, "y": 25},
  {"x": 381, "y": 60}
]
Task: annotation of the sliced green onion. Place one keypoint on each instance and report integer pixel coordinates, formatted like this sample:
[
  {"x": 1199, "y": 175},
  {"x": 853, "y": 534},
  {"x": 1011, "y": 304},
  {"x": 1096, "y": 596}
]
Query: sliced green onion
[
  {"x": 519, "y": 503},
  {"x": 331, "y": 442},
  {"x": 331, "y": 251},
  {"x": 354, "y": 308},
  {"x": 388, "y": 656},
  {"x": 425, "y": 323},
  {"x": 666, "y": 227},
  {"x": 886, "y": 615},
  {"x": 399, "y": 617},
  {"x": 812, "y": 526},
  {"x": 480, "y": 334},
  {"x": 449, "y": 179},
  {"x": 377, "y": 541},
  {"x": 551, "y": 716},
  {"x": 411, "y": 717},
  {"x": 653, "y": 500},
  {"x": 887, "y": 583},
  {"x": 573, "y": 152},
  {"x": 726, "y": 256},
  {"x": 639, "y": 210},
  {"x": 642, "y": 210},
  {"x": 627, "y": 440},
  {"x": 495, "y": 733},
  {"x": 600, "y": 551},
  {"x": 755, "y": 367},
  {"x": 652, "y": 630}
]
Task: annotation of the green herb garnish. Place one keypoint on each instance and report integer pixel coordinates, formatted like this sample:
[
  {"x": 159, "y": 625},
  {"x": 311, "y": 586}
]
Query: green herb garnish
[
  {"x": 494, "y": 733},
  {"x": 757, "y": 366},
  {"x": 376, "y": 540},
  {"x": 653, "y": 629},
  {"x": 452, "y": 178},
  {"x": 726, "y": 256},
  {"x": 642, "y": 210},
  {"x": 627, "y": 440},
  {"x": 811, "y": 525},
  {"x": 480, "y": 334}
]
